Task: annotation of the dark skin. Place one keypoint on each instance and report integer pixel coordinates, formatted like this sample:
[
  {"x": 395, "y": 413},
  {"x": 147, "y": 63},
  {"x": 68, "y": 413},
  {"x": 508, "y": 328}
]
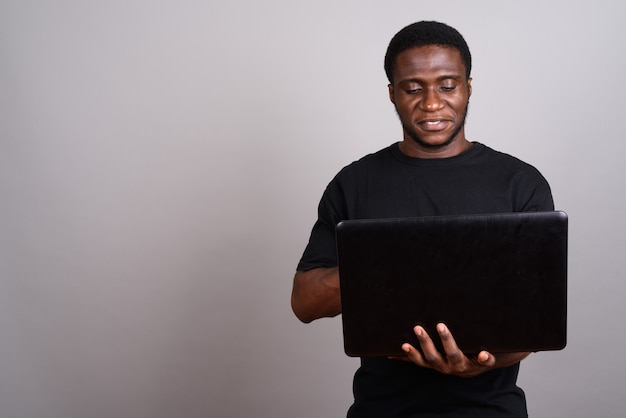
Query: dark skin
[{"x": 430, "y": 92}]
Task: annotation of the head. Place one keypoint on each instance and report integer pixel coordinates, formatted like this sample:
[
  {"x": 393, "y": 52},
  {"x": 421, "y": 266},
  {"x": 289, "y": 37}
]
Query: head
[
  {"x": 426, "y": 33},
  {"x": 428, "y": 66}
]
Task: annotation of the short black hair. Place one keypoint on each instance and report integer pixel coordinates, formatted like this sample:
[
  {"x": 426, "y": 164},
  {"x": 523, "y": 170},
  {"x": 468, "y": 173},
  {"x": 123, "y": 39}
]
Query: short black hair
[{"x": 426, "y": 33}]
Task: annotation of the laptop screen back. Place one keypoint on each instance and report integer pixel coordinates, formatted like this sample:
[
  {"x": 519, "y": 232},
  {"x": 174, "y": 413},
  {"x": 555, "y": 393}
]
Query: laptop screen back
[{"x": 498, "y": 281}]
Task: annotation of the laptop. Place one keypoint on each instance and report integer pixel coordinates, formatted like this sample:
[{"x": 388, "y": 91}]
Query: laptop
[{"x": 498, "y": 281}]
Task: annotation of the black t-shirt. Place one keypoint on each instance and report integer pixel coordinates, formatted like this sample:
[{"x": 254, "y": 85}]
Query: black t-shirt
[{"x": 390, "y": 184}]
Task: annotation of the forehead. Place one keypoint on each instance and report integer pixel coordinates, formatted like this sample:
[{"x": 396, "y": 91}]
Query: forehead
[{"x": 428, "y": 61}]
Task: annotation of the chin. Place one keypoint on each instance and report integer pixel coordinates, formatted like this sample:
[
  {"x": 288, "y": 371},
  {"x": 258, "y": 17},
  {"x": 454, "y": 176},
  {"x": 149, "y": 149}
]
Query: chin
[{"x": 432, "y": 144}]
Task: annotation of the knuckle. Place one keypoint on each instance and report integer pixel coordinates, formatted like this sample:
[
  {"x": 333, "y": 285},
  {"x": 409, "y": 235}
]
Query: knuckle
[
  {"x": 461, "y": 369},
  {"x": 455, "y": 357},
  {"x": 431, "y": 358}
]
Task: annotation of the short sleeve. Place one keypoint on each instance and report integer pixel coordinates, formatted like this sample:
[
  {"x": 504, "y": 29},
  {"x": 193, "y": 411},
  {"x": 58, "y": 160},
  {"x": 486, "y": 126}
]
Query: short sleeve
[{"x": 321, "y": 250}]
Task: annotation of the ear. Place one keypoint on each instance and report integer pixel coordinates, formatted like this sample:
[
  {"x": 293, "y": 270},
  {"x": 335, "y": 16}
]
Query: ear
[
  {"x": 469, "y": 86},
  {"x": 391, "y": 97}
]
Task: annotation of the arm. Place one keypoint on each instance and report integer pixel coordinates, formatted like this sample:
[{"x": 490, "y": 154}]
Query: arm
[
  {"x": 315, "y": 294},
  {"x": 454, "y": 361}
]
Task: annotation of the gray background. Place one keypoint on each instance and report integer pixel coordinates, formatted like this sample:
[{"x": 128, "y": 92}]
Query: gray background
[{"x": 160, "y": 168}]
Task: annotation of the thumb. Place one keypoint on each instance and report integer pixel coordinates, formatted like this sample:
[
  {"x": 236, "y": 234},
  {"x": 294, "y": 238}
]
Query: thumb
[{"x": 486, "y": 359}]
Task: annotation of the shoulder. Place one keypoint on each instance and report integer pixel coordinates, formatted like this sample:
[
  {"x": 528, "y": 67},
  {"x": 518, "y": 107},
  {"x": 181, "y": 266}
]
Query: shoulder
[
  {"x": 498, "y": 156},
  {"x": 372, "y": 159},
  {"x": 366, "y": 164},
  {"x": 530, "y": 189},
  {"x": 506, "y": 161}
]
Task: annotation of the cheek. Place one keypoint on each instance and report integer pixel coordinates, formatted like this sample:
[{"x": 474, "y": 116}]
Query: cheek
[
  {"x": 459, "y": 103},
  {"x": 407, "y": 106}
]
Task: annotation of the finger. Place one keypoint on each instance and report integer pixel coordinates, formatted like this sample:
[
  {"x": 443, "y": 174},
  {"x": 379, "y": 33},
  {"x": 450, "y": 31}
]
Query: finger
[
  {"x": 414, "y": 355},
  {"x": 429, "y": 354},
  {"x": 486, "y": 359},
  {"x": 453, "y": 353}
]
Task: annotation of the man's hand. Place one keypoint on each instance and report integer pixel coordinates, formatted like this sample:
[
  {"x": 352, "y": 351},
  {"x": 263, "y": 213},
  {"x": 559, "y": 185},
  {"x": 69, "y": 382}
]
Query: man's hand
[{"x": 453, "y": 361}]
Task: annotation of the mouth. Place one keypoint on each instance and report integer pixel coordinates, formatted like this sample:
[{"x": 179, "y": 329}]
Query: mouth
[{"x": 434, "y": 124}]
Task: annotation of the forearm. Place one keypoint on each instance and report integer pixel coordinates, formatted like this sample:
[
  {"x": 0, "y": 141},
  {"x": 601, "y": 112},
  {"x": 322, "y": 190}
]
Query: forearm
[{"x": 316, "y": 294}]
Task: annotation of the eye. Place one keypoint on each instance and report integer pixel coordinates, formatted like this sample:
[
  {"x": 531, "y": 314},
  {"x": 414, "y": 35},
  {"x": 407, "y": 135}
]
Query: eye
[
  {"x": 411, "y": 87},
  {"x": 413, "y": 90},
  {"x": 448, "y": 88}
]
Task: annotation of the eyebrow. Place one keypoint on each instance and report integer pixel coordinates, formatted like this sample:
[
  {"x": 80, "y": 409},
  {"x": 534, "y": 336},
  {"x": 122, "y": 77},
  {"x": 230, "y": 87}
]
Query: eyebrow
[{"x": 440, "y": 78}]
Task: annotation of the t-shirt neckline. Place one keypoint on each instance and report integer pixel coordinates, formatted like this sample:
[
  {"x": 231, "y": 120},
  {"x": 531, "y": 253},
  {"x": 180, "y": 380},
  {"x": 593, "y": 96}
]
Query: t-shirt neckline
[{"x": 471, "y": 152}]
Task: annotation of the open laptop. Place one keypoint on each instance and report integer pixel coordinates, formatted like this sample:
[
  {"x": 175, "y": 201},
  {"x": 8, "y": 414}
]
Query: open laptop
[{"x": 498, "y": 281}]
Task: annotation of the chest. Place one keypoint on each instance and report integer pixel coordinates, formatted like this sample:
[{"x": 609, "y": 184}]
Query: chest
[{"x": 417, "y": 192}]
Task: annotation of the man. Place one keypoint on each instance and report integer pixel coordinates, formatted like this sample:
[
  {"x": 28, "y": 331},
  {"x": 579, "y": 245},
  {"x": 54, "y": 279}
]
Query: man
[{"x": 434, "y": 170}]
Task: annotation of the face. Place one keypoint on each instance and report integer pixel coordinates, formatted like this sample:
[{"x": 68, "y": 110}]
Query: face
[{"x": 431, "y": 93}]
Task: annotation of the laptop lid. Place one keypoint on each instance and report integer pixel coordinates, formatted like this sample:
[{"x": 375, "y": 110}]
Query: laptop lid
[{"x": 498, "y": 281}]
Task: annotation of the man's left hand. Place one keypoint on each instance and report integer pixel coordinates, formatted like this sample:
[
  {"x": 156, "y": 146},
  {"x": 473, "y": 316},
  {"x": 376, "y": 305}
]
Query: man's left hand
[{"x": 453, "y": 361}]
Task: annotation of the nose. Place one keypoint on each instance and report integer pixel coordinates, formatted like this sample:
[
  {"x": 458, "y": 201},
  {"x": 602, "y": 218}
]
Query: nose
[{"x": 431, "y": 101}]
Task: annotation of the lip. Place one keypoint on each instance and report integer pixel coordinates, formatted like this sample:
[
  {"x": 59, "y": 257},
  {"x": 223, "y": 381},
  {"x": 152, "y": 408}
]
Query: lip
[{"x": 433, "y": 124}]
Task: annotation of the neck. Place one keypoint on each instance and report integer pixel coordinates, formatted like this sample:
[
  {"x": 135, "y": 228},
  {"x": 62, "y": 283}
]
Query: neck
[{"x": 412, "y": 149}]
